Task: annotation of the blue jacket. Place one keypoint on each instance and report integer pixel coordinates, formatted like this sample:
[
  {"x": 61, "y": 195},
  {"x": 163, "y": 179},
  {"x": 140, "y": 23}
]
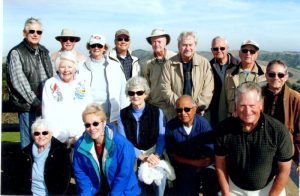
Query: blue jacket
[{"x": 118, "y": 163}]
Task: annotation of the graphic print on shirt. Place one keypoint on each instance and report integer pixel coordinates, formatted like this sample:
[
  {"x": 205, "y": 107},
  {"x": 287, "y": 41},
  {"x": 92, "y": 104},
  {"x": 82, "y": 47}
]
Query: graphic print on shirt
[
  {"x": 56, "y": 92},
  {"x": 80, "y": 91}
]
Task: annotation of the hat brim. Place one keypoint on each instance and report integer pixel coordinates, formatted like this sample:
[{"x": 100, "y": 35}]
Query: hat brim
[
  {"x": 257, "y": 48},
  {"x": 77, "y": 39},
  {"x": 165, "y": 35}
]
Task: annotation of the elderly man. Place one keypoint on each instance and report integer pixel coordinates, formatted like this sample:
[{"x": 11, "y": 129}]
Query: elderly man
[
  {"x": 189, "y": 144},
  {"x": 29, "y": 66},
  {"x": 221, "y": 62},
  {"x": 68, "y": 39},
  {"x": 122, "y": 55},
  {"x": 253, "y": 150},
  {"x": 247, "y": 70},
  {"x": 283, "y": 103},
  {"x": 155, "y": 63},
  {"x": 187, "y": 73}
]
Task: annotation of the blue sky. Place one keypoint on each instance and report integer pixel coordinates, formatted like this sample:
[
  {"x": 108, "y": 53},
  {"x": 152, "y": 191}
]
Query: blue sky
[{"x": 275, "y": 25}]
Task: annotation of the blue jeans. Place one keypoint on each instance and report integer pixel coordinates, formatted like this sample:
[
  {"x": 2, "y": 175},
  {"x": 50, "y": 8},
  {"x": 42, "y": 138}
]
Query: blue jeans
[
  {"x": 157, "y": 189},
  {"x": 26, "y": 119}
]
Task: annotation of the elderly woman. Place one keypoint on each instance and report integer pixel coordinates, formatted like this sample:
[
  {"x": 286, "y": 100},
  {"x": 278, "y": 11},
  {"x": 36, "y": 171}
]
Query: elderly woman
[
  {"x": 106, "y": 78},
  {"x": 103, "y": 159},
  {"x": 45, "y": 167},
  {"x": 143, "y": 125},
  {"x": 64, "y": 99}
]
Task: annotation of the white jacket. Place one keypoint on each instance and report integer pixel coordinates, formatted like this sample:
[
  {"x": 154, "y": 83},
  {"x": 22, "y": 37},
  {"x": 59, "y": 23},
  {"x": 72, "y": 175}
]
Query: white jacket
[
  {"x": 63, "y": 104},
  {"x": 116, "y": 85},
  {"x": 135, "y": 64}
]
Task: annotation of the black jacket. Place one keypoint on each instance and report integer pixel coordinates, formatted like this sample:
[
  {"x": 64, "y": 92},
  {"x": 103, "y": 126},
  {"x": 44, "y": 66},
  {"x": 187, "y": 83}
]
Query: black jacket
[
  {"x": 57, "y": 171},
  {"x": 30, "y": 67}
]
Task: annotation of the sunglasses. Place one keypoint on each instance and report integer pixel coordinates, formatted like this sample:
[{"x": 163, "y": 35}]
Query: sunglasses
[
  {"x": 272, "y": 75},
  {"x": 65, "y": 39},
  {"x": 138, "y": 93},
  {"x": 96, "y": 45},
  {"x": 217, "y": 49},
  {"x": 88, "y": 125},
  {"x": 36, "y": 133},
  {"x": 34, "y": 31},
  {"x": 245, "y": 51},
  {"x": 126, "y": 39},
  {"x": 180, "y": 110}
]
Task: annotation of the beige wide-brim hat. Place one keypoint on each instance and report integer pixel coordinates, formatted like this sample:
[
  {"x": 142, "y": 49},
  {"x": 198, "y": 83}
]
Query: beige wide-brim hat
[
  {"x": 67, "y": 33},
  {"x": 158, "y": 32}
]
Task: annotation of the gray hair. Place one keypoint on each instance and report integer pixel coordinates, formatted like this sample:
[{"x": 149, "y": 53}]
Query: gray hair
[
  {"x": 221, "y": 38},
  {"x": 41, "y": 123},
  {"x": 31, "y": 21},
  {"x": 189, "y": 97},
  {"x": 138, "y": 81},
  {"x": 186, "y": 34},
  {"x": 276, "y": 61},
  {"x": 66, "y": 55},
  {"x": 247, "y": 87}
]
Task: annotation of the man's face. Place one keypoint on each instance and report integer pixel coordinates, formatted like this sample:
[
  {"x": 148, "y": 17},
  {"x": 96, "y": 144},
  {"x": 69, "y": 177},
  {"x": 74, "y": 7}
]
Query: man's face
[
  {"x": 67, "y": 43},
  {"x": 276, "y": 77},
  {"x": 219, "y": 49},
  {"x": 248, "y": 54},
  {"x": 122, "y": 43},
  {"x": 249, "y": 108},
  {"x": 33, "y": 34},
  {"x": 187, "y": 47},
  {"x": 158, "y": 44},
  {"x": 185, "y": 111}
]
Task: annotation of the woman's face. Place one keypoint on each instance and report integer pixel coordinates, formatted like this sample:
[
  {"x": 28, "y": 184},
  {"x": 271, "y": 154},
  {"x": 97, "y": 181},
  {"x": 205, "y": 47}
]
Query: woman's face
[
  {"x": 94, "y": 126},
  {"x": 66, "y": 70},
  {"x": 41, "y": 136},
  {"x": 137, "y": 96}
]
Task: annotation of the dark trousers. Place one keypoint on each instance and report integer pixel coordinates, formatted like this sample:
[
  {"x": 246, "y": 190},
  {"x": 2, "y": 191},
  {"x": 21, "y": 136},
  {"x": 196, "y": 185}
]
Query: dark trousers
[{"x": 191, "y": 181}]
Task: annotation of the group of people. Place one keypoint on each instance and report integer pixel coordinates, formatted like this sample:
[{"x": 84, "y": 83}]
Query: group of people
[{"x": 121, "y": 128}]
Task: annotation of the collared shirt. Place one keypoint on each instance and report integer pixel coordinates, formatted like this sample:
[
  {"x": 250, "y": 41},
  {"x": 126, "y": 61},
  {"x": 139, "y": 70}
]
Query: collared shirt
[
  {"x": 127, "y": 65},
  {"x": 273, "y": 104},
  {"x": 221, "y": 69},
  {"x": 253, "y": 156}
]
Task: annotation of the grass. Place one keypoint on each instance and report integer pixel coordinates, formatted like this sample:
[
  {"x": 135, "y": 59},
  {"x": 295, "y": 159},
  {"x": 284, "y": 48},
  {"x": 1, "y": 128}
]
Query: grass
[{"x": 10, "y": 136}]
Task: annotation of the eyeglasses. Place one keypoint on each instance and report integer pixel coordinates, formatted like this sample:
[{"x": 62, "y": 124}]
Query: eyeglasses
[
  {"x": 34, "y": 31},
  {"x": 245, "y": 51},
  {"x": 138, "y": 93},
  {"x": 65, "y": 39},
  {"x": 185, "y": 109},
  {"x": 272, "y": 75},
  {"x": 95, "y": 124},
  {"x": 96, "y": 45},
  {"x": 217, "y": 49},
  {"x": 36, "y": 133},
  {"x": 126, "y": 39}
]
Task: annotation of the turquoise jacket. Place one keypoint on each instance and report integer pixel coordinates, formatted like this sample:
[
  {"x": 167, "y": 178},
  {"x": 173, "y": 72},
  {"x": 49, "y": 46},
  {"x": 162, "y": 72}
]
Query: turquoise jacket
[{"x": 118, "y": 163}]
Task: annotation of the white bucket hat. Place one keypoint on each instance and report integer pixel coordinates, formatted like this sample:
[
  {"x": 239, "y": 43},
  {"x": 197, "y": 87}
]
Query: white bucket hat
[{"x": 158, "y": 32}]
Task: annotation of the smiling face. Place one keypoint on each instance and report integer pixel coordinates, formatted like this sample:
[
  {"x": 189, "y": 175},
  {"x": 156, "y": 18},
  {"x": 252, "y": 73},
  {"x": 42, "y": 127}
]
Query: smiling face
[
  {"x": 158, "y": 44},
  {"x": 249, "y": 108},
  {"x": 95, "y": 131},
  {"x": 275, "y": 83},
  {"x": 219, "y": 49},
  {"x": 122, "y": 43},
  {"x": 67, "y": 43},
  {"x": 187, "y": 48},
  {"x": 97, "y": 51},
  {"x": 42, "y": 140},
  {"x": 33, "y": 38},
  {"x": 66, "y": 70},
  {"x": 187, "y": 117},
  {"x": 137, "y": 101}
]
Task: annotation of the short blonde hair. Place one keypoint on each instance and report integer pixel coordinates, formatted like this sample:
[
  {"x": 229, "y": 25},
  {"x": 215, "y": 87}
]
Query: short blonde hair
[{"x": 96, "y": 109}]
